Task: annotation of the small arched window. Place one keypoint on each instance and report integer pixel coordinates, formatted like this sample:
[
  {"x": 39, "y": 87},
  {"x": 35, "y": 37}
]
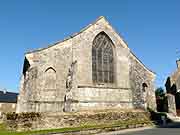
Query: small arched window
[
  {"x": 144, "y": 87},
  {"x": 102, "y": 59},
  {"x": 50, "y": 78}
]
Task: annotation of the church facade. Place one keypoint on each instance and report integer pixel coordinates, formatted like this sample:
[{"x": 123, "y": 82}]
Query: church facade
[
  {"x": 92, "y": 69},
  {"x": 173, "y": 90}
]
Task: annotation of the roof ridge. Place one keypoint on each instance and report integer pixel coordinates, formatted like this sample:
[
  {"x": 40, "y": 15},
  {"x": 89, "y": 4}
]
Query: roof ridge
[
  {"x": 82, "y": 30},
  {"x": 9, "y": 92},
  {"x": 142, "y": 62},
  {"x": 68, "y": 37}
]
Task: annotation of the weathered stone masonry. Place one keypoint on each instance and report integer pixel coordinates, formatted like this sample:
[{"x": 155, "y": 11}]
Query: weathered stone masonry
[{"x": 59, "y": 77}]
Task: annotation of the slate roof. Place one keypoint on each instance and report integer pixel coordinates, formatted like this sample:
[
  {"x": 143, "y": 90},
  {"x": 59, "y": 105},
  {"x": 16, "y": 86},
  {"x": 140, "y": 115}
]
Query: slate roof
[{"x": 8, "y": 97}]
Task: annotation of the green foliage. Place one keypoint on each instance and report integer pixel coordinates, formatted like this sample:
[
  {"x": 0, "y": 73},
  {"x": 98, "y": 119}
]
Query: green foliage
[
  {"x": 11, "y": 116},
  {"x": 160, "y": 92},
  {"x": 161, "y": 100},
  {"x": 13, "y": 119},
  {"x": 21, "y": 116}
]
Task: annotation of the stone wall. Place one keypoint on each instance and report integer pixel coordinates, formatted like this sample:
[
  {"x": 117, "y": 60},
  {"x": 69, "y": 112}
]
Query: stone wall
[
  {"x": 81, "y": 119},
  {"x": 7, "y": 107},
  {"x": 139, "y": 75},
  {"x": 60, "y": 77},
  {"x": 45, "y": 90},
  {"x": 102, "y": 98},
  {"x": 99, "y": 96},
  {"x": 171, "y": 104}
]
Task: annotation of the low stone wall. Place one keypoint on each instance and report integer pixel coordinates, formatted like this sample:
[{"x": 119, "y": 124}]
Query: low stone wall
[{"x": 77, "y": 119}]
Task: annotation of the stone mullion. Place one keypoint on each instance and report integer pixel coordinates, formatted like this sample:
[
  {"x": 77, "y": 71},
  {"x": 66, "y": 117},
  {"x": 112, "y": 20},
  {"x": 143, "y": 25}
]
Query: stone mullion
[
  {"x": 108, "y": 69},
  {"x": 97, "y": 77},
  {"x": 101, "y": 70},
  {"x": 106, "y": 64},
  {"x": 112, "y": 70},
  {"x": 94, "y": 74},
  {"x": 102, "y": 53},
  {"x": 112, "y": 66}
]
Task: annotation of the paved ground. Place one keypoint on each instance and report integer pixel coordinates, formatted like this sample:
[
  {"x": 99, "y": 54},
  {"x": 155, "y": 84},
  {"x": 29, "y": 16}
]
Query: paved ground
[
  {"x": 172, "y": 129},
  {"x": 157, "y": 131}
]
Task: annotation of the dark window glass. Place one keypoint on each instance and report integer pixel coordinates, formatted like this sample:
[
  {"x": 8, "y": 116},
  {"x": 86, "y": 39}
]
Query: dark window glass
[{"x": 102, "y": 59}]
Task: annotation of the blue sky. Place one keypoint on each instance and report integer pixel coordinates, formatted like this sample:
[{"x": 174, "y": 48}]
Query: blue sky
[{"x": 150, "y": 27}]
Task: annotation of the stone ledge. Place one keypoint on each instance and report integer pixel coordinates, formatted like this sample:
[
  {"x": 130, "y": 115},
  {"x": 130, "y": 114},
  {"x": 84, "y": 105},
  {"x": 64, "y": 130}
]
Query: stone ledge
[{"x": 101, "y": 87}]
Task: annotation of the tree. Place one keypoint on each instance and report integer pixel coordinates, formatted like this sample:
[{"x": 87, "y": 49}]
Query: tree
[
  {"x": 161, "y": 100},
  {"x": 160, "y": 92}
]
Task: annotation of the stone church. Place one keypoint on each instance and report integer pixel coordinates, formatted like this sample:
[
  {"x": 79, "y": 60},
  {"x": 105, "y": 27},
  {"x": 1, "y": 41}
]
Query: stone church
[
  {"x": 173, "y": 90},
  {"x": 92, "y": 69}
]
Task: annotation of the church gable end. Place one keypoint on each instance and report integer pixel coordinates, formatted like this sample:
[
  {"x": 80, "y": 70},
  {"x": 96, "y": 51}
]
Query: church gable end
[{"x": 91, "y": 69}]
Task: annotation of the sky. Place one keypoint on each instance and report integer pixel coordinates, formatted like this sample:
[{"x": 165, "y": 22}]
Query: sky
[{"x": 150, "y": 27}]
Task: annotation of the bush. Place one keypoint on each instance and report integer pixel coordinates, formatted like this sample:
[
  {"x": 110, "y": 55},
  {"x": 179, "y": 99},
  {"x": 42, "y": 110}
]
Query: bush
[
  {"x": 11, "y": 116},
  {"x": 114, "y": 118},
  {"x": 23, "y": 116},
  {"x": 21, "y": 120}
]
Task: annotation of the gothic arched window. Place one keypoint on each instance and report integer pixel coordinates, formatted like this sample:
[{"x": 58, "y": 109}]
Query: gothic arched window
[
  {"x": 50, "y": 79},
  {"x": 102, "y": 59},
  {"x": 144, "y": 86}
]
